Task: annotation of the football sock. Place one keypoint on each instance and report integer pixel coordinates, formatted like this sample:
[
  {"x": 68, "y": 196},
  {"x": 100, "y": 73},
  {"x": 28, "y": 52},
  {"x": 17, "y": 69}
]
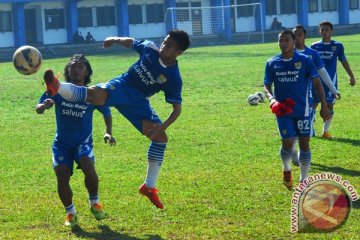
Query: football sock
[
  {"x": 305, "y": 161},
  {"x": 93, "y": 199},
  {"x": 70, "y": 209},
  {"x": 285, "y": 157},
  {"x": 155, "y": 158},
  {"x": 72, "y": 93},
  {"x": 327, "y": 123}
]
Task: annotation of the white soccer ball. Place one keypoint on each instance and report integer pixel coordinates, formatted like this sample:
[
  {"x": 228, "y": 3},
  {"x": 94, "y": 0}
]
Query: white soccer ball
[
  {"x": 261, "y": 96},
  {"x": 253, "y": 99},
  {"x": 27, "y": 60}
]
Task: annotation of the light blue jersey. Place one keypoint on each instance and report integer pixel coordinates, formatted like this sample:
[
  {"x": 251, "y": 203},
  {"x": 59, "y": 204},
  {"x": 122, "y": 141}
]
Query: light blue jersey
[
  {"x": 292, "y": 79},
  {"x": 330, "y": 53},
  {"x": 73, "y": 121}
]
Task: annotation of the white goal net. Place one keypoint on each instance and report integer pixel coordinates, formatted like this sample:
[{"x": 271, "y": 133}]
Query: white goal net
[{"x": 225, "y": 23}]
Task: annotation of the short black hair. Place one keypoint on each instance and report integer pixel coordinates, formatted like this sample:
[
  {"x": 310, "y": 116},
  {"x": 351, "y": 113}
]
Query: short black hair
[
  {"x": 287, "y": 31},
  {"x": 326, "y": 23},
  {"x": 78, "y": 58},
  {"x": 300, "y": 27},
  {"x": 181, "y": 37}
]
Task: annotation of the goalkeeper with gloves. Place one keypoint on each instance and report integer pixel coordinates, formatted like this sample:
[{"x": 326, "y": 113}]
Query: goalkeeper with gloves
[{"x": 293, "y": 75}]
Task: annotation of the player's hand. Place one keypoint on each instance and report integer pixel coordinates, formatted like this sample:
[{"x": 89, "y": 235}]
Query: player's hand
[
  {"x": 109, "y": 139},
  {"x": 325, "y": 113},
  {"x": 108, "y": 42},
  {"x": 352, "y": 81},
  {"x": 280, "y": 109},
  {"x": 337, "y": 96},
  {"x": 48, "y": 103}
]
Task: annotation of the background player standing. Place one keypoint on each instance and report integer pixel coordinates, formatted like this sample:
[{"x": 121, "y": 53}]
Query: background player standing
[
  {"x": 330, "y": 51},
  {"x": 156, "y": 70},
  {"x": 73, "y": 139},
  {"x": 292, "y": 75}
]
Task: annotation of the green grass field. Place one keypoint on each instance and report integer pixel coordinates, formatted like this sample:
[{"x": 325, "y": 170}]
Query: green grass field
[{"x": 221, "y": 178}]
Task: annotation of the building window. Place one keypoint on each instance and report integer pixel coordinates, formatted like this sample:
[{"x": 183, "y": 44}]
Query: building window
[
  {"x": 5, "y": 21},
  {"x": 135, "y": 14},
  {"x": 105, "y": 16},
  {"x": 246, "y": 11},
  {"x": 287, "y": 6},
  {"x": 54, "y": 18},
  {"x": 354, "y": 4},
  {"x": 270, "y": 7},
  {"x": 328, "y": 5},
  {"x": 182, "y": 15},
  {"x": 313, "y": 6},
  {"x": 155, "y": 13},
  {"x": 85, "y": 17}
]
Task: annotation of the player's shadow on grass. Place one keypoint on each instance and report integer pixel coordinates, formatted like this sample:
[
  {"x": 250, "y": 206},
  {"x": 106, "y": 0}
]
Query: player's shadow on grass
[
  {"x": 107, "y": 234},
  {"x": 354, "y": 142},
  {"x": 337, "y": 170}
]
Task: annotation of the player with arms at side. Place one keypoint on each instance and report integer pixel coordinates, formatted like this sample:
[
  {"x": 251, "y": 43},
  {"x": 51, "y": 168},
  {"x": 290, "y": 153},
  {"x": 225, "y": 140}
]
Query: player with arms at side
[
  {"x": 156, "y": 70},
  {"x": 73, "y": 139},
  {"x": 330, "y": 51},
  {"x": 300, "y": 35},
  {"x": 292, "y": 74}
]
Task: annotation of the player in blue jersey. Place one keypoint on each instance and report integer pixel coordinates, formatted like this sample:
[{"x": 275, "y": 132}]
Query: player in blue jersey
[
  {"x": 156, "y": 70},
  {"x": 330, "y": 51},
  {"x": 73, "y": 139},
  {"x": 300, "y": 35},
  {"x": 292, "y": 74}
]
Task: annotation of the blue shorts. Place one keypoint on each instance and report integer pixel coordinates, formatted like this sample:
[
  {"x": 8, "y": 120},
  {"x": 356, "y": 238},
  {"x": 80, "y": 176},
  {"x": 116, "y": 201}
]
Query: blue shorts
[
  {"x": 130, "y": 102},
  {"x": 290, "y": 127},
  {"x": 63, "y": 155}
]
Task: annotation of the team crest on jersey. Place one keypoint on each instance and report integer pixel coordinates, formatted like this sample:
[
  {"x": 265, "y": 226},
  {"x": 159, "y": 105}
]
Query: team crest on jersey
[
  {"x": 333, "y": 48},
  {"x": 298, "y": 65},
  {"x": 161, "y": 79}
]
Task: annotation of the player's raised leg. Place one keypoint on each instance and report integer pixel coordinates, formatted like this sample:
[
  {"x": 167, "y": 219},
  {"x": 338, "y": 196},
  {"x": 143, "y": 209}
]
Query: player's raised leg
[{"x": 72, "y": 92}]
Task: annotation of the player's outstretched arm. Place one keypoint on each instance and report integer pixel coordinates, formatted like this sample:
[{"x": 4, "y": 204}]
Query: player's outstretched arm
[
  {"x": 41, "y": 107},
  {"x": 347, "y": 68},
  {"x": 122, "y": 41}
]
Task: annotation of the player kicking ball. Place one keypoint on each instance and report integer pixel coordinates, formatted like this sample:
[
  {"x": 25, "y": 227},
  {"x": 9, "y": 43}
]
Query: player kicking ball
[
  {"x": 73, "y": 139},
  {"x": 156, "y": 70},
  {"x": 292, "y": 74},
  {"x": 330, "y": 51}
]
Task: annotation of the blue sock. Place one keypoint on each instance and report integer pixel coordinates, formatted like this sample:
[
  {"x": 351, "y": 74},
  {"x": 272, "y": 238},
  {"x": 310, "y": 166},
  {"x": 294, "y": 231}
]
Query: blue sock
[
  {"x": 155, "y": 158},
  {"x": 305, "y": 162}
]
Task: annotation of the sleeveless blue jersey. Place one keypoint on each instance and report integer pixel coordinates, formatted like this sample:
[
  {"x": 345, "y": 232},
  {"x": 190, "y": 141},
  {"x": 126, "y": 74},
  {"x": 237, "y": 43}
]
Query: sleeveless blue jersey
[
  {"x": 73, "y": 120},
  {"x": 150, "y": 75},
  {"x": 292, "y": 79},
  {"x": 330, "y": 53}
]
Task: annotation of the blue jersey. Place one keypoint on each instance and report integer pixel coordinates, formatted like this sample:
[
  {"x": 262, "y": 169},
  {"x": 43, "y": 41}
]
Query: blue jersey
[
  {"x": 150, "y": 75},
  {"x": 292, "y": 79},
  {"x": 73, "y": 121},
  {"x": 314, "y": 55},
  {"x": 330, "y": 53}
]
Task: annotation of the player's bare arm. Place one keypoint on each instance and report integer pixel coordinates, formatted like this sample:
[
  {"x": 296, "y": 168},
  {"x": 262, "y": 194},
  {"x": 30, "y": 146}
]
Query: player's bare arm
[
  {"x": 41, "y": 107},
  {"x": 347, "y": 68},
  {"x": 123, "y": 41},
  {"x": 324, "y": 111},
  {"x": 108, "y": 137}
]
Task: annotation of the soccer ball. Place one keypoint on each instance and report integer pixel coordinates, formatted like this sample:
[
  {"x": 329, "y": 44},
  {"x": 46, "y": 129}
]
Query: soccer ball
[
  {"x": 27, "y": 60},
  {"x": 261, "y": 96},
  {"x": 253, "y": 99}
]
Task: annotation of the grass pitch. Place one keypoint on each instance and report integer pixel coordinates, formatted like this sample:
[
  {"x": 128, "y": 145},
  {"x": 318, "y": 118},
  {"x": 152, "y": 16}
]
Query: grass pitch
[{"x": 221, "y": 178}]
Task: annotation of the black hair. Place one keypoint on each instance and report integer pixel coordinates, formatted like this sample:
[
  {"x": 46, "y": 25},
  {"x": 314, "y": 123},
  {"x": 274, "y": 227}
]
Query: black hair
[
  {"x": 181, "y": 37},
  {"x": 300, "y": 27},
  {"x": 287, "y": 32},
  {"x": 326, "y": 23},
  {"x": 78, "y": 58}
]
